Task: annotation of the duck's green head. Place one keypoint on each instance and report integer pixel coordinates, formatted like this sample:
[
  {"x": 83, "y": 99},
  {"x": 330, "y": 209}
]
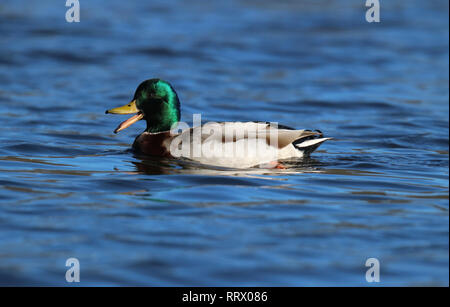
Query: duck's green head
[{"x": 156, "y": 101}]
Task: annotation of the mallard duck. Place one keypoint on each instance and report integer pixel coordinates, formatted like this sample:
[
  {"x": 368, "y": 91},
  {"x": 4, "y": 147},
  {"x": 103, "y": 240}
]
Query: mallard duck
[{"x": 225, "y": 144}]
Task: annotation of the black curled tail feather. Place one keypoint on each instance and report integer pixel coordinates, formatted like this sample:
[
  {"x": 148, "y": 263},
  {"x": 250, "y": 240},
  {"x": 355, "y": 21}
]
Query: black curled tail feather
[{"x": 308, "y": 149}]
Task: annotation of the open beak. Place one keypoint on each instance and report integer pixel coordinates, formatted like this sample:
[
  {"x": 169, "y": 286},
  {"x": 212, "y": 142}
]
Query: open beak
[{"x": 127, "y": 109}]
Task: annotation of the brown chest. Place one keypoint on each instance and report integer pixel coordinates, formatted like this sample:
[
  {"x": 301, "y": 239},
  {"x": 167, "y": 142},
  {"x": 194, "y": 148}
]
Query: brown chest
[{"x": 152, "y": 144}]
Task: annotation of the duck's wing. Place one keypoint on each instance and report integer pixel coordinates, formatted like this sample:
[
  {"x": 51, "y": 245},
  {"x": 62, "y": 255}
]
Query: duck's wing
[
  {"x": 234, "y": 131},
  {"x": 286, "y": 137},
  {"x": 307, "y": 143},
  {"x": 241, "y": 144}
]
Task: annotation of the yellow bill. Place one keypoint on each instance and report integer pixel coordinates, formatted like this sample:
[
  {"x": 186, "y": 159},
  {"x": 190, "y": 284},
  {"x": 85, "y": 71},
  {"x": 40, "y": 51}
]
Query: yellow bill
[
  {"x": 130, "y": 108},
  {"x": 127, "y": 109}
]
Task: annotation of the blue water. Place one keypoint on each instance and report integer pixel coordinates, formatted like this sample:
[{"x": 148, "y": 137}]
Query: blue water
[{"x": 69, "y": 187}]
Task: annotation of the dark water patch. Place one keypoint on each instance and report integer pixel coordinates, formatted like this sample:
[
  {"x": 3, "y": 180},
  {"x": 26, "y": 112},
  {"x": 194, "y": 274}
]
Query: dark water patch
[
  {"x": 76, "y": 136},
  {"x": 344, "y": 105},
  {"x": 11, "y": 277},
  {"x": 81, "y": 57},
  {"x": 46, "y": 32},
  {"x": 165, "y": 52},
  {"x": 45, "y": 108},
  {"x": 207, "y": 180},
  {"x": 41, "y": 149},
  {"x": 119, "y": 185}
]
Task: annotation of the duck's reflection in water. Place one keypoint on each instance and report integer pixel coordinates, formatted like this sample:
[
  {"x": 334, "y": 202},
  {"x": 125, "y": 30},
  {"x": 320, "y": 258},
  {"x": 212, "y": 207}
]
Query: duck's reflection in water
[{"x": 160, "y": 166}]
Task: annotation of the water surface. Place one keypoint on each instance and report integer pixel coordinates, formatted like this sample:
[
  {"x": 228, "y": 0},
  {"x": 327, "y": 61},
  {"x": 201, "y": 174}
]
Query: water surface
[{"x": 69, "y": 187}]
